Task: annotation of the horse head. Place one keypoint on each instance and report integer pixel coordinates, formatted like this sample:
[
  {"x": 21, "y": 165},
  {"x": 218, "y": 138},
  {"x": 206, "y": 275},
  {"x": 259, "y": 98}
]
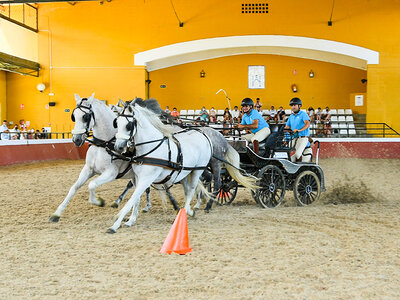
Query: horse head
[
  {"x": 84, "y": 119},
  {"x": 126, "y": 125}
]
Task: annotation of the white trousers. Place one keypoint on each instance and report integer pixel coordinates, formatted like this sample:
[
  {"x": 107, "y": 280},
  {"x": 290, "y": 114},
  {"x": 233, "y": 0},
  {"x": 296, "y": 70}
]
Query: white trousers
[
  {"x": 260, "y": 135},
  {"x": 301, "y": 144}
]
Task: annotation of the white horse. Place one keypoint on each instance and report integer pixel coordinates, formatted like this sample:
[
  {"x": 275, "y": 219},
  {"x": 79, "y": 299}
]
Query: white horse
[
  {"x": 163, "y": 156},
  {"x": 92, "y": 114}
]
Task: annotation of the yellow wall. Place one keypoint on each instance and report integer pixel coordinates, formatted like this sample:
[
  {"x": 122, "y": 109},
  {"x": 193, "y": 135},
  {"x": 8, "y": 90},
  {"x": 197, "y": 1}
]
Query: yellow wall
[
  {"x": 330, "y": 86},
  {"x": 3, "y": 97},
  {"x": 93, "y": 47}
]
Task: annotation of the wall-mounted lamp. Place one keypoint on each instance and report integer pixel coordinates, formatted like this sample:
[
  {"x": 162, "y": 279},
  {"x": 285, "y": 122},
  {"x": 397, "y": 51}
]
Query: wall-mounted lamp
[
  {"x": 294, "y": 88},
  {"x": 202, "y": 74},
  {"x": 41, "y": 87},
  {"x": 311, "y": 74},
  {"x": 363, "y": 80}
]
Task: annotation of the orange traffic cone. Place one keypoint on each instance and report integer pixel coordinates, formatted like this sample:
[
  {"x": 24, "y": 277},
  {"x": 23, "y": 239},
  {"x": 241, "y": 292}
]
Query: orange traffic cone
[{"x": 178, "y": 237}]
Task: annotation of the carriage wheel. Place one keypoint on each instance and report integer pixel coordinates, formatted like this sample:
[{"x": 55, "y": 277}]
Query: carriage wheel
[
  {"x": 228, "y": 190},
  {"x": 307, "y": 188},
  {"x": 272, "y": 187}
]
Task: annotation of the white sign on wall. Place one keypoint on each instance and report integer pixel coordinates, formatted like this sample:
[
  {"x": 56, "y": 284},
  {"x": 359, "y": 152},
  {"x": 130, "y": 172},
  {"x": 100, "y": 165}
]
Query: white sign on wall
[
  {"x": 359, "y": 100},
  {"x": 256, "y": 77}
]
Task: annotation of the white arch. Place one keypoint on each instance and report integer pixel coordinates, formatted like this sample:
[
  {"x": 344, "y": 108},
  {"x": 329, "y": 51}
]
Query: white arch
[{"x": 303, "y": 47}]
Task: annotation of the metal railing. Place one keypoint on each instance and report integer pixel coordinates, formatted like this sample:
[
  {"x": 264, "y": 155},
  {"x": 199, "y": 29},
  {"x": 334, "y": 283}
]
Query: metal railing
[
  {"x": 25, "y": 15},
  {"x": 35, "y": 135}
]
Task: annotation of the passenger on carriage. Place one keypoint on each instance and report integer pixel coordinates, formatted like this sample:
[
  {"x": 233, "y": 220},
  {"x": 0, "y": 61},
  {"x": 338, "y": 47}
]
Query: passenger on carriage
[
  {"x": 254, "y": 123},
  {"x": 299, "y": 123}
]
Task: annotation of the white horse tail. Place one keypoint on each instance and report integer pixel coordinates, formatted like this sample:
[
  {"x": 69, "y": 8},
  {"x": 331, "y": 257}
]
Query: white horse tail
[
  {"x": 202, "y": 193},
  {"x": 232, "y": 156}
]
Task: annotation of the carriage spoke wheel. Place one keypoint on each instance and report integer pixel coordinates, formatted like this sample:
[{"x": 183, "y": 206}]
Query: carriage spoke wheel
[
  {"x": 272, "y": 187},
  {"x": 307, "y": 188},
  {"x": 228, "y": 190}
]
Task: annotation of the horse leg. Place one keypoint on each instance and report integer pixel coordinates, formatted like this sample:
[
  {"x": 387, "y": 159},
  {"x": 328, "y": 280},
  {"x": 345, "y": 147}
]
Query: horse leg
[
  {"x": 148, "y": 201},
  {"x": 135, "y": 212},
  {"x": 189, "y": 185},
  {"x": 216, "y": 170},
  {"x": 116, "y": 203},
  {"x": 142, "y": 183},
  {"x": 107, "y": 176},
  {"x": 172, "y": 200},
  {"x": 85, "y": 174}
]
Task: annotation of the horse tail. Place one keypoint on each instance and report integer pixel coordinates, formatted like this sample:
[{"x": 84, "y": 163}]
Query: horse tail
[
  {"x": 202, "y": 193},
  {"x": 232, "y": 156}
]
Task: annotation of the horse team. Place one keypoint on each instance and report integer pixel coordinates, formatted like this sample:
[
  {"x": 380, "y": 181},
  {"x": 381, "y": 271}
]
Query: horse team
[{"x": 137, "y": 145}]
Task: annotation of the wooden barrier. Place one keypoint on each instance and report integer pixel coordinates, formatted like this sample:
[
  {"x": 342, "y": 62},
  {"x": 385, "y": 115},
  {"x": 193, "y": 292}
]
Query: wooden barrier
[{"x": 24, "y": 151}]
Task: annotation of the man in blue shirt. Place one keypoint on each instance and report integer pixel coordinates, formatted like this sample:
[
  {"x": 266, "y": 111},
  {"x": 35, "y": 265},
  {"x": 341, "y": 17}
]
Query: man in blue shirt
[
  {"x": 253, "y": 122},
  {"x": 299, "y": 123}
]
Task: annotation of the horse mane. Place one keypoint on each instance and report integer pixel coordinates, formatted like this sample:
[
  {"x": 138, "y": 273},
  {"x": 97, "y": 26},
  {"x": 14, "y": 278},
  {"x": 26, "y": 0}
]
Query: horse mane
[
  {"x": 154, "y": 119},
  {"x": 153, "y": 105}
]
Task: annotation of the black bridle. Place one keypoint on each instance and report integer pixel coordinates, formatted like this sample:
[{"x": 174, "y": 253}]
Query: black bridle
[
  {"x": 87, "y": 115},
  {"x": 131, "y": 125}
]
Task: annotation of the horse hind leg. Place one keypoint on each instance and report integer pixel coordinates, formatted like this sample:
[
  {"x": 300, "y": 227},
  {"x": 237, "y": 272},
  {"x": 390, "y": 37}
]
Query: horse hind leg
[
  {"x": 216, "y": 170},
  {"x": 116, "y": 203},
  {"x": 148, "y": 201},
  {"x": 85, "y": 174}
]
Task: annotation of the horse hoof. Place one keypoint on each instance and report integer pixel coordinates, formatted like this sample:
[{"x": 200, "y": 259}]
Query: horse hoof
[
  {"x": 54, "y": 218},
  {"x": 102, "y": 202},
  {"x": 145, "y": 210},
  {"x": 114, "y": 205},
  {"x": 110, "y": 230},
  {"x": 207, "y": 210}
]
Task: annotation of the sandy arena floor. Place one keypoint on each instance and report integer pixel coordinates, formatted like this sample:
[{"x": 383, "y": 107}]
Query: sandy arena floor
[{"x": 324, "y": 251}]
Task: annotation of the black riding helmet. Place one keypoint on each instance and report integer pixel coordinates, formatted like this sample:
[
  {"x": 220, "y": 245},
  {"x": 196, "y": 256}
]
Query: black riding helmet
[
  {"x": 295, "y": 101},
  {"x": 247, "y": 101}
]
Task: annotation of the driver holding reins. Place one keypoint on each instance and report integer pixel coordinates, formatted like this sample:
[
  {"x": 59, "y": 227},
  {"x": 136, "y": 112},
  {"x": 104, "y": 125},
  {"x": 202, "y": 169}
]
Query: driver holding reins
[
  {"x": 299, "y": 123},
  {"x": 253, "y": 121}
]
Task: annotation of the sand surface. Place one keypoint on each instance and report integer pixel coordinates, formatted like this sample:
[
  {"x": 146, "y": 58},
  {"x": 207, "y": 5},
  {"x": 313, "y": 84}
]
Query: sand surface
[{"x": 241, "y": 251}]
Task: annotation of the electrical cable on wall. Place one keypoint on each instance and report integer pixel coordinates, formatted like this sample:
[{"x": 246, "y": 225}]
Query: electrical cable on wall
[
  {"x": 180, "y": 23},
  {"x": 330, "y": 19}
]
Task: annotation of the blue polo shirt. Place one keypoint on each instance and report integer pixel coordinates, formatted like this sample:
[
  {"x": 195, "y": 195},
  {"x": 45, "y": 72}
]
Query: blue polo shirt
[
  {"x": 296, "y": 121},
  {"x": 249, "y": 120}
]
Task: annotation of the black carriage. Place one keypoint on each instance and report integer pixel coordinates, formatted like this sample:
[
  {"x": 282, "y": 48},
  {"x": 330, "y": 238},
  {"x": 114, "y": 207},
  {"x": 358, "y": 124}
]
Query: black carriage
[{"x": 275, "y": 172}]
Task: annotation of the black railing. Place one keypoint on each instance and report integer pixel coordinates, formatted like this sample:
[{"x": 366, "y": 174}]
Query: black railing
[
  {"x": 25, "y": 15},
  {"x": 375, "y": 130}
]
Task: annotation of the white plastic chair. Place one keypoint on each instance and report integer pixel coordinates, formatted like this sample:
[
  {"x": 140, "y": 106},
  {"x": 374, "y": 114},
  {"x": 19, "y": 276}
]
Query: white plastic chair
[
  {"x": 349, "y": 119},
  {"x": 183, "y": 112},
  {"x": 333, "y": 112},
  {"x": 342, "y": 119},
  {"x": 335, "y": 126},
  {"x": 190, "y": 113},
  {"x": 340, "y": 111},
  {"x": 351, "y": 126},
  {"x": 334, "y": 119},
  {"x": 288, "y": 111},
  {"x": 352, "y": 131},
  {"x": 197, "y": 112},
  {"x": 343, "y": 132},
  {"x": 348, "y": 111},
  {"x": 220, "y": 112},
  {"x": 265, "y": 112},
  {"x": 342, "y": 125}
]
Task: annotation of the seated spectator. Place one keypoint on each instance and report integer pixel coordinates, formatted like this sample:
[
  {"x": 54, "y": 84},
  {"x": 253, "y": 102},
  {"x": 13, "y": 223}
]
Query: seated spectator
[
  {"x": 175, "y": 113},
  {"x": 203, "y": 116},
  {"x": 272, "y": 113},
  {"x": 37, "y": 134},
  {"x": 258, "y": 105},
  {"x": 318, "y": 115},
  {"x": 311, "y": 114},
  {"x": 4, "y": 131},
  {"x": 213, "y": 115},
  {"x": 326, "y": 121},
  {"x": 167, "y": 110},
  {"x": 227, "y": 121},
  {"x": 280, "y": 115},
  {"x": 31, "y": 134},
  {"x": 14, "y": 133},
  {"x": 236, "y": 115}
]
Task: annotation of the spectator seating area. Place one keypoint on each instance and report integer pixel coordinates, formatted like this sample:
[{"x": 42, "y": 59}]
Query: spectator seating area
[{"x": 342, "y": 121}]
